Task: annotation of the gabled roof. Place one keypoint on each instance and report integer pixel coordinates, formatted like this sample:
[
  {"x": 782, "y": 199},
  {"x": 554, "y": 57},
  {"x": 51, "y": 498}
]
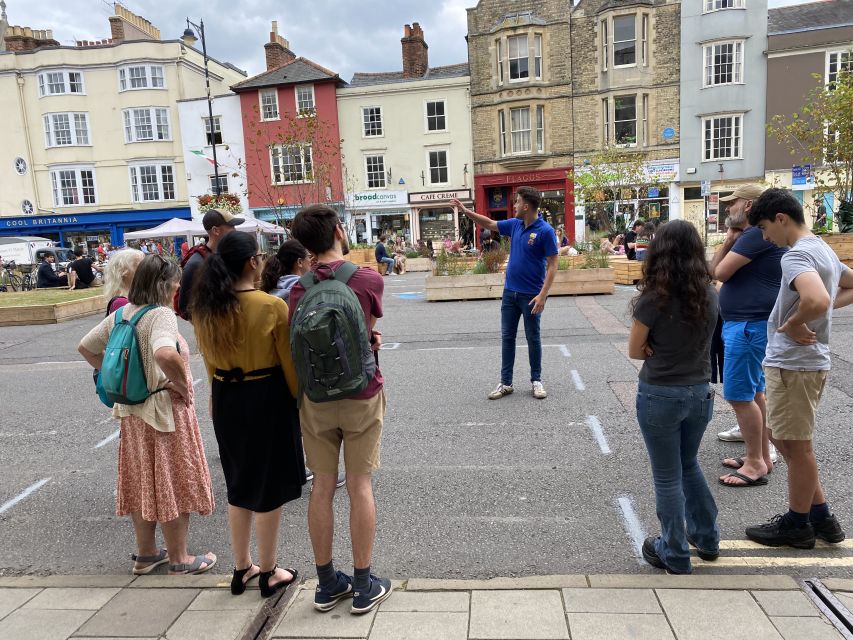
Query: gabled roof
[
  {"x": 823, "y": 14},
  {"x": 297, "y": 71},
  {"x": 390, "y": 77}
]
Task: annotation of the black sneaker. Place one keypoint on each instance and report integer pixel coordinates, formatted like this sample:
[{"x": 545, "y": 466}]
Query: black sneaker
[
  {"x": 651, "y": 556},
  {"x": 829, "y": 529},
  {"x": 707, "y": 556},
  {"x": 776, "y": 532},
  {"x": 364, "y": 601},
  {"x": 326, "y": 599}
]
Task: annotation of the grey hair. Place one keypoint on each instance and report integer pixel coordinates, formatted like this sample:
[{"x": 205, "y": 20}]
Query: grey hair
[
  {"x": 153, "y": 280},
  {"x": 123, "y": 263}
]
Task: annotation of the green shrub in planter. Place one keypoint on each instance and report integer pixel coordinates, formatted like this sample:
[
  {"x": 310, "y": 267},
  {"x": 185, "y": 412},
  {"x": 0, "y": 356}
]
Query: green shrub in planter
[
  {"x": 480, "y": 268},
  {"x": 412, "y": 254}
]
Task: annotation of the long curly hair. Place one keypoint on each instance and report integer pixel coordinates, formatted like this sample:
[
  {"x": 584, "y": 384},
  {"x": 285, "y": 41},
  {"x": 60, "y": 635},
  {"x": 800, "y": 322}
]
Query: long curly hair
[
  {"x": 214, "y": 306},
  {"x": 281, "y": 264},
  {"x": 675, "y": 270}
]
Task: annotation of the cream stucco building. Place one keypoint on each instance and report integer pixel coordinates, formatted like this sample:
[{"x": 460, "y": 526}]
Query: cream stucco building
[
  {"x": 91, "y": 133},
  {"x": 407, "y": 147}
]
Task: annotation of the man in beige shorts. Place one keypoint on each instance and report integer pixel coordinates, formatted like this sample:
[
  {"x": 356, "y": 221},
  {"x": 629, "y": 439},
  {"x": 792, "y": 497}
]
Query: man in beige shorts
[
  {"x": 797, "y": 363},
  {"x": 354, "y": 423}
]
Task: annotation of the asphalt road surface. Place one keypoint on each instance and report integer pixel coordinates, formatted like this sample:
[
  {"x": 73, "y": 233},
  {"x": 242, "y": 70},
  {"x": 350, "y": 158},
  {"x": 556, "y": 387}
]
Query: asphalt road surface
[{"x": 468, "y": 488}]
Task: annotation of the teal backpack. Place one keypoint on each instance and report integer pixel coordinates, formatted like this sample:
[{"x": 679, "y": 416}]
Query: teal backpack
[
  {"x": 329, "y": 339},
  {"x": 122, "y": 374}
]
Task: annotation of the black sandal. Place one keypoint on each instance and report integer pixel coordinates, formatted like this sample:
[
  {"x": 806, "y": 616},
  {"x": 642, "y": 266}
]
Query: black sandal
[
  {"x": 238, "y": 586},
  {"x": 264, "y": 582}
]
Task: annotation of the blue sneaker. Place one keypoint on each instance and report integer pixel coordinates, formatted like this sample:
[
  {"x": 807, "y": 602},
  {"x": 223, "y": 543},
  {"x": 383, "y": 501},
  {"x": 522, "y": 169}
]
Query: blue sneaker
[
  {"x": 364, "y": 601},
  {"x": 326, "y": 600}
]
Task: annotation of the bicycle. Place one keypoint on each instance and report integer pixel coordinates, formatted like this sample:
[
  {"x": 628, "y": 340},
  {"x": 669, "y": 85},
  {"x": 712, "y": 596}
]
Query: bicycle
[{"x": 8, "y": 278}]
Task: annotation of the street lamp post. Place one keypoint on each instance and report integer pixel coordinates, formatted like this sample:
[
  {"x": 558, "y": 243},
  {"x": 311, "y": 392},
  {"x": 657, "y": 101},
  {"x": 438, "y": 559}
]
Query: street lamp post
[{"x": 188, "y": 33}]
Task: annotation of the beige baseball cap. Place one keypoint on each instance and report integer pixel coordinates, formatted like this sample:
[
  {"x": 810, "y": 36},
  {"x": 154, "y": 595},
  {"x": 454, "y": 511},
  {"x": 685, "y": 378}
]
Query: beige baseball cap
[
  {"x": 745, "y": 192},
  {"x": 218, "y": 217}
]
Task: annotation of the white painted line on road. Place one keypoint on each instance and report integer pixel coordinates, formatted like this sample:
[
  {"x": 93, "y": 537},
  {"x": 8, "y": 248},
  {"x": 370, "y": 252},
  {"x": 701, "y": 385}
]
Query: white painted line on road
[
  {"x": 108, "y": 439},
  {"x": 446, "y": 349},
  {"x": 632, "y": 524},
  {"x": 576, "y": 378},
  {"x": 565, "y": 351},
  {"x": 390, "y": 346},
  {"x": 42, "y": 364},
  {"x": 597, "y": 431},
  {"x": 196, "y": 381},
  {"x": 32, "y": 488}
]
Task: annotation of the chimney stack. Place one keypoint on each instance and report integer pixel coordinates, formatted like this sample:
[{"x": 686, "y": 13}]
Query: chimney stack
[
  {"x": 26, "y": 39},
  {"x": 277, "y": 50},
  {"x": 415, "y": 54}
]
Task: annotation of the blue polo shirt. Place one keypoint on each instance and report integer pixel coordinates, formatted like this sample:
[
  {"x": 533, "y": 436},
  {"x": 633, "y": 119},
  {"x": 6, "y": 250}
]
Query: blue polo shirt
[
  {"x": 529, "y": 246},
  {"x": 749, "y": 295}
]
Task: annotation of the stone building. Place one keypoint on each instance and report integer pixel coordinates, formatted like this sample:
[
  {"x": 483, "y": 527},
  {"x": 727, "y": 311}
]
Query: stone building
[
  {"x": 518, "y": 52},
  {"x": 625, "y": 63}
]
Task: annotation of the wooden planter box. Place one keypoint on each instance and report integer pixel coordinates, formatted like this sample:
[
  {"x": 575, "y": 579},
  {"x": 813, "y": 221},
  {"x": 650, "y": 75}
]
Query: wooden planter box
[
  {"x": 418, "y": 264},
  {"x": 627, "y": 271},
  {"x": 570, "y": 282},
  {"x": 51, "y": 313},
  {"x": 842, "y": 244}
]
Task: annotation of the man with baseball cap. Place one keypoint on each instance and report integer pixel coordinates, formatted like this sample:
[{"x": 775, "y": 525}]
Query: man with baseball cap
[
  {"x": 217, "y": 223},
  {"x": 751, "y": 272}
]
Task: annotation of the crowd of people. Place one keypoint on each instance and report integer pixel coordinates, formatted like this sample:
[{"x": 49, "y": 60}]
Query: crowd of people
[{"x": 290, "y": 346}]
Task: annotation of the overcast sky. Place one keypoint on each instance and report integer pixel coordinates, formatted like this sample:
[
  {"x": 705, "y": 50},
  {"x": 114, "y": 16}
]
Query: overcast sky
[{"x": 343, "y": 35}]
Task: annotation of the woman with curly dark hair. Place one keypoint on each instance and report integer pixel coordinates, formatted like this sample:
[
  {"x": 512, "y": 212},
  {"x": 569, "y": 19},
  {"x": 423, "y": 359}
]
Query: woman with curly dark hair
[
  {"x": 245, "y": 338},
  {"x": 674, "y": 319}
]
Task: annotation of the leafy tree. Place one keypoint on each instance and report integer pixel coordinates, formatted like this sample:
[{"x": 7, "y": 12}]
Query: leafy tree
[{"x": 821, "y": 133}]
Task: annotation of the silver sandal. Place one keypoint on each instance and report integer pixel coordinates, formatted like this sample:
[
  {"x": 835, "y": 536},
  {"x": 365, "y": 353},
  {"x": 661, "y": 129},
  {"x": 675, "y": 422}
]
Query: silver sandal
[
  {"x": 193, "y": 567},
  {"x": 154, "y": 562}
]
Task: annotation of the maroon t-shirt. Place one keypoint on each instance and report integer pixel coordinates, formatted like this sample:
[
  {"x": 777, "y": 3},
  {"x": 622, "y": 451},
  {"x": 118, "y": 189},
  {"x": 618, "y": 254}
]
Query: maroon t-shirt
[{"x": 368, "y": 287}]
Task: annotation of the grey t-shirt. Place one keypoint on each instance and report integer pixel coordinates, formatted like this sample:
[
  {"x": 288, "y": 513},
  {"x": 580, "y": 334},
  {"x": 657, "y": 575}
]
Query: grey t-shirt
[
  {"x": 681, "y": 348},
  {"x": 808, "y": 254}
]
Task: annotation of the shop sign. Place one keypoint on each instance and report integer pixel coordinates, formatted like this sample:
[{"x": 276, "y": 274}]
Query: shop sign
[
  {"x": 22, "y": 223},
  {"x": 369, "y": 199},
  {"x": 440, "y": 196},
  {"x": 714, "y": 202},
  {"x": 801, "y": 177},
  {"x": 661, "y": 170}
]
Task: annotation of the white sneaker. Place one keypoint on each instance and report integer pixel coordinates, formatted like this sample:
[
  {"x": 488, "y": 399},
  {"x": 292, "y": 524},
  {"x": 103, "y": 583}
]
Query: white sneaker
[
  {"x": 774, "y": 455},
  {"x": 500, "y": 391},
  {"x": 732, "y": 435},
  {"x": 539, "y": 390}
]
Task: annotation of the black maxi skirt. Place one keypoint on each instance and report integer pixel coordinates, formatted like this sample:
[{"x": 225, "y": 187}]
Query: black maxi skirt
[{"x": 256, "y": 422}]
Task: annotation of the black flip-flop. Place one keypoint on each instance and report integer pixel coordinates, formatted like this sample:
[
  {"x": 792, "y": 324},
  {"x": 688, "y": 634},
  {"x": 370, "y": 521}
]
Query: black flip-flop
[
  {"x": 748, "y": 482},
  {"x": 733, "y": 466}
]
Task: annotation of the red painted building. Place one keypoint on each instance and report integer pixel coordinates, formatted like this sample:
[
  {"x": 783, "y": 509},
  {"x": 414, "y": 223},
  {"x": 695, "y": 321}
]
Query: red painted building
[{"x": 291, "y": 134}]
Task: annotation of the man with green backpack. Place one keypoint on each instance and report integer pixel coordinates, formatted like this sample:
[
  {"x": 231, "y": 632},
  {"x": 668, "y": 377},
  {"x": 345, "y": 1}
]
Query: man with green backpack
[{"x": 333, "y": 309}]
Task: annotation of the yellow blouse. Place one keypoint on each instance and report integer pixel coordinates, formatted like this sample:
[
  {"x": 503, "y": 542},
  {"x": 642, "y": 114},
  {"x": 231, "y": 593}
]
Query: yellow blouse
[{"x": 264, "y": 338}]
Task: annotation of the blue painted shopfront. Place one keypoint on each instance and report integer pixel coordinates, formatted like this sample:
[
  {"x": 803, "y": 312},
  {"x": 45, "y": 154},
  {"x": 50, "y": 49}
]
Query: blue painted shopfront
[{"x": 115, "y": 222}]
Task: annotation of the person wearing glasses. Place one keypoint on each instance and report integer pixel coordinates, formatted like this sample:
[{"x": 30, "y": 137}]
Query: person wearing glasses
[
  {"x": 162, "y": 470},
  {"x": 244, "y": 336}
]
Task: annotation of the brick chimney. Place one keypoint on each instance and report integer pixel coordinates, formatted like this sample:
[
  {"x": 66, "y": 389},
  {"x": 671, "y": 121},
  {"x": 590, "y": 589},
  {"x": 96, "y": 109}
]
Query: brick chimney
[
  {"x": 26, "y": 39},
  {"x": 277, "y": 50},
  {"x": 415, "y": 55}
]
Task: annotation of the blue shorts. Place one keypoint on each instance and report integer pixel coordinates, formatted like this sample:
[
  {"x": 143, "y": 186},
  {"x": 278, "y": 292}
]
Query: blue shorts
[{"x": 745, "y": 344}]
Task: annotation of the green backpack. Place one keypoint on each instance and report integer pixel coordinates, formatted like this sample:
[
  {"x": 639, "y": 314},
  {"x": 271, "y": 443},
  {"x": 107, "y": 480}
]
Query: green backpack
[
  {"x": 329, "y": 339},
  {"x": 122, "y": 374}
]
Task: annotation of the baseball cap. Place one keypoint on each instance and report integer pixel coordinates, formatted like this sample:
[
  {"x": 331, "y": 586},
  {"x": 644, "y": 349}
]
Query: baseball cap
[
  {"x": 218, "y": 217},
  {"x": 746, "y": 192}
]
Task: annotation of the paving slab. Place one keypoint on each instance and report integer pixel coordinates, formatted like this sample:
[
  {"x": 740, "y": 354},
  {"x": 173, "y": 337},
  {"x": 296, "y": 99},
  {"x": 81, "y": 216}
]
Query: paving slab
[
  {"x": 425, "y": 601},
  {"x": 531, "y": 582},
  {"x": 202, "y": 581},
  {"x": 806, "y": 629},
  {"x": 209, "y": 625},
  {"x": 785, "y": 603},
  {"x": 406, "y": 625},
  {"x": 521, "y": 615},
  {"x": 223, "y": 600},
  {"x": 67, "y": 581},
  {"x": 611, "y": 601},
  {"x": 303, "y": 621},
  {"x": 132, "y": 613},
  {"x": 704, "y": 614},
  {"x": 665, "y": 581},
  {"x": 607, "y": 626},
  {"x": 41, "y": 624},
  {"x": 72, "y": 598},
  {"x": 11, "y": 599},
  {"x": 846, "y": 599},
  {"x": 833, "y": 584}
]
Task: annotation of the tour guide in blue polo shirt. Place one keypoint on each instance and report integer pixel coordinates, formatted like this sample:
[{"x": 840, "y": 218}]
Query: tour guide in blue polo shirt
[{"x": 533, "y": 245}]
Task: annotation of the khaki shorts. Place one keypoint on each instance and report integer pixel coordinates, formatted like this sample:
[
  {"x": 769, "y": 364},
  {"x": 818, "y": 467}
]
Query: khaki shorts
[
  {"x": 792, "y": 399},
  {"x": 355, "y": 423}
]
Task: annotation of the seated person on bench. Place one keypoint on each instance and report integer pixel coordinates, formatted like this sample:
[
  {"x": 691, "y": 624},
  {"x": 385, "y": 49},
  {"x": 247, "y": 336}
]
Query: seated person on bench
[
  {"x": 81, "y": 272},
  {"x": 47, "y": 277}
]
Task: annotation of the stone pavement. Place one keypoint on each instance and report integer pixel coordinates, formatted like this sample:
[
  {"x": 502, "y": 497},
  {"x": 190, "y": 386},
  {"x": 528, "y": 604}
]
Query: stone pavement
[{"x": 595, "y": 607}]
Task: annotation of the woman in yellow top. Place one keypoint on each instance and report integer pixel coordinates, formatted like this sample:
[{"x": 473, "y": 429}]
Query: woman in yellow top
[{"x": 245, "y": 339}]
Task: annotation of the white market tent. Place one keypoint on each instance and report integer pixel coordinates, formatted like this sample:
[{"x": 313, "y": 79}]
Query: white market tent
[{"x": 169, "y": 229}]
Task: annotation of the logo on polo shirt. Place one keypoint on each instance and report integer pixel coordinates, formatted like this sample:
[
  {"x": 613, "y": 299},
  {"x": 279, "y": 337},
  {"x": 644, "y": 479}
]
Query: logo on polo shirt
[{"x": 531, "y": 239}]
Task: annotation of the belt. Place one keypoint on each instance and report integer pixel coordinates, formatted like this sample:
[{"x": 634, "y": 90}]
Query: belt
[{"x": 238, "y": 375}]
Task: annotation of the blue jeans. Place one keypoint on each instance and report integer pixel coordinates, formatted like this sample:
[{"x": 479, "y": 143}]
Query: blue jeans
[
  {"x": 513, "y": 306},
  {"x": 673, "y": 421},
  {"x": 390, "y": 262}
]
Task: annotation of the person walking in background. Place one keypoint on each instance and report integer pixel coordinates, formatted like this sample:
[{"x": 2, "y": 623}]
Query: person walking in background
[
  {"x": 750, "y": 269},
  {"x": 797, "y": 363},
  {"x": 244, "y": 337},
  {"x": 355, "y": 422},
  {"x": 382, "y": 257},
  {"x": 118, "y": 275},
  {"x": 529, "y": 275},
  {"x": 162, "y": 470},
  {"x": 674, "y": 319}
]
